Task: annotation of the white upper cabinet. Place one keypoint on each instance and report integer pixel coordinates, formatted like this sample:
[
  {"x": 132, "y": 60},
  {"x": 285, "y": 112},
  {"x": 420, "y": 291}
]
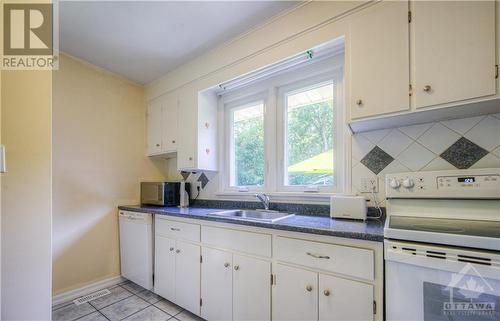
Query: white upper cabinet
[
  {"x": 453, "y": 51},
  {"x": 197, "y": 148},
  {"x": 379, "y": 60},
  {"x": 162, "y": 127},
  {"x": 154, "y": 128}
]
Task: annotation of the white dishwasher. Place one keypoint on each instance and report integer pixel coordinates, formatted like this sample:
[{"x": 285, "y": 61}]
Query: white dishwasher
[{"x": 136, "y": 247}]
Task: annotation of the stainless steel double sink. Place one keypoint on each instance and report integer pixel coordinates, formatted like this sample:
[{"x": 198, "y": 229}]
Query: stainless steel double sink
[{"x": 253, "y": 215}]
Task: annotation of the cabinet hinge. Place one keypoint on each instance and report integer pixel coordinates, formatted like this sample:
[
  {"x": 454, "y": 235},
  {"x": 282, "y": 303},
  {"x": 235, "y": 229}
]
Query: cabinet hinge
[
  {"x": 496, "y": 71},
  {"x": 410, "y": 90},
  {"x": 409, "y": 16},
  {"x": 273, "y": 279},
  {"x": 201, "y": 302},
  {"x": 201, "y": 259},
  {"x": 374, "y": 307}
]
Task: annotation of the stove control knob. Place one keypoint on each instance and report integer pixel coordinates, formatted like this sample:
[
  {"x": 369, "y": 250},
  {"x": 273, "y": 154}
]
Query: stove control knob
[
  {"x": 394, "y": 183},
  {"x": 408, "y": 183}
]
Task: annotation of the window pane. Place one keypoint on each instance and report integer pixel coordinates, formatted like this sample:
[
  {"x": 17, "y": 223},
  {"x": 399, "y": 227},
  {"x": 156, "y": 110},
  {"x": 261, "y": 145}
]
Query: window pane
[
  {"x": 309, "y": 136},
  {"x": 248, "y": 145}
]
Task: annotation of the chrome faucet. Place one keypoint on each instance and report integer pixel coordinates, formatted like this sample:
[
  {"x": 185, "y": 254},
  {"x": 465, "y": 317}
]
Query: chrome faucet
[{"x": 264, "y": 198}]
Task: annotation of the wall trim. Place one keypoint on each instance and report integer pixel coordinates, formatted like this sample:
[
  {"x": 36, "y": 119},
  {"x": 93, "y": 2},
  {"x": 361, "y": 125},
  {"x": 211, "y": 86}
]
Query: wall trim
[{"x": 86, "y": 289}]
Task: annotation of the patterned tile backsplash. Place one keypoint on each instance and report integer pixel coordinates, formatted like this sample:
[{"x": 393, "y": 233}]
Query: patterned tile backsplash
[{"x": 461, "y": 143}]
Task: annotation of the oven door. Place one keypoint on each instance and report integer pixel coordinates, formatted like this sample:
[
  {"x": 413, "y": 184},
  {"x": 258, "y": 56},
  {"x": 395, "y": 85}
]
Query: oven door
[{"x": 435, "y": 283}]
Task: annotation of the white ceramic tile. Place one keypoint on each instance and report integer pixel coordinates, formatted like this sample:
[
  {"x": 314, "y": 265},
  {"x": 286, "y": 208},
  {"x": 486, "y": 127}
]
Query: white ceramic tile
[
  {"x": 394, "y": 167},
  {"x": 438, "y": 138},
  {"x": 72, "y": 312},
  {"x": 438, "y": 164},
  {"x": 395, "y": 142},
  {"x": 497, "y": 151},
  {"x": 168, "y": 307},
  {"x": 360, "y": 146},
  {"x": 360, "y": 171},
  {"x": 462, "y": 125},
  {"x": 124, "y": 308},
  {"x": 486, "y": 133},
  {"x": 187, "y": 316},
  {"x": 376, "y": 136},
  {"x": 416, "y": 157},
  {"x": 117, "y": 293},
  {"x": 488, "y": 161},
  {"x": 415, "y": 131},
  {"x": 150, "y": 313},
  {"x": 497, "y": 115}
]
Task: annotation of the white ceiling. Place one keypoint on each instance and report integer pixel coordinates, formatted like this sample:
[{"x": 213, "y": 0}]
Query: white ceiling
[{"x": 143, "y": 40}]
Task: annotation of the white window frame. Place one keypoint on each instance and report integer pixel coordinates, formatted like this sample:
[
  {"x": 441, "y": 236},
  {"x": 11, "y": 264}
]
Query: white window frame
[
  {"x": 228, "y": 107},
  {"x": 269, "y": 91},
  {"x": 334, "y": 76}
]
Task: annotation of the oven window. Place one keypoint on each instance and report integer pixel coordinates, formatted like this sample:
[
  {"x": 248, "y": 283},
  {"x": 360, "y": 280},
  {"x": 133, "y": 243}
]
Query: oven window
[{"x": 472, "y": 299}]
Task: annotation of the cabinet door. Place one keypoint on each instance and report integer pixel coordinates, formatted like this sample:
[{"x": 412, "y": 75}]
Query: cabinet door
[
  {"x": 379, "y": 60},
  {"x": 187, "y": 274},
  {"x": 164, "y": 284},
  {"x": 216, "y": 285},
  {"x": 154, "y": 128},
  {"x": 170, "y": 121},
  {"x": 188, "y": 125},
  {"x": 251, "y": 289},
  {"x": 344, "y": 300},
  {"x": 454, "y": 50},
  {"x": 295, "y": 295}
]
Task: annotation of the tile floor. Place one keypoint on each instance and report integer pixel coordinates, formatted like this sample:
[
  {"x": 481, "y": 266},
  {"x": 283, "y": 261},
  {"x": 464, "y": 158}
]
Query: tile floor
[{"x": 127, "y": 301}]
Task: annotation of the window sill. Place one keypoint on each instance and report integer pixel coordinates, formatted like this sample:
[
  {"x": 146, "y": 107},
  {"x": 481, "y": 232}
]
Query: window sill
[{"x": 300, "y": 197}]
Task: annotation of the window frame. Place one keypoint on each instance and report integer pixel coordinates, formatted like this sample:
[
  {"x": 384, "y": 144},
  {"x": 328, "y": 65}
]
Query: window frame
[
  {"x": 268, "y": 90},
  {"x": 229, "y": 106},
  {"x": 281, "y": 125}
]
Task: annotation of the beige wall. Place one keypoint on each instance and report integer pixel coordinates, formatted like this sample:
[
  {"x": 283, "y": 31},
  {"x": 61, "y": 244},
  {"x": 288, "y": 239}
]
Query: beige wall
[
  {"x": 99, "y": 149},
  {"x": 26, "y": 195}
]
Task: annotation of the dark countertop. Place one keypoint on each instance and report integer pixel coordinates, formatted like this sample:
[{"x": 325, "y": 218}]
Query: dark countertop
[{"x": 371, "y": 230}]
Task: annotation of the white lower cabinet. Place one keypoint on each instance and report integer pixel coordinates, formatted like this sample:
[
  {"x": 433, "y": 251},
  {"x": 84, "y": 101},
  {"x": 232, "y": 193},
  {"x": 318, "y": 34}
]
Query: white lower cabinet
[
  {"x": 220, "y": 274},
  {"x": 295, "y": 295},
  {"x": 177, "y": 272},
  {"x": 305, "y": 295},
  {"x": 234, "y": 287},
  {"x": 344, "y": 300}
]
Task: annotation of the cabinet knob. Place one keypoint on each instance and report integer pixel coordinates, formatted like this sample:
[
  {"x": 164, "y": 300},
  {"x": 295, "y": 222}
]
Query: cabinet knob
[
  {"x": 157, "y": 145},
  {"x": 236, "y": 267},
  {"x": 359, "y": 102},
  {"x": 190, "y": 158},
  {"x": 171, "y": 249},
  {"x": 326, "y": 293},
  {"x": 226, "y": 265},
  {"x": 427, "y": 88},
  {"x": 173, "y": 142},
  {"x": 177, "y": 251},
  {"x": 309, "y": 288}
]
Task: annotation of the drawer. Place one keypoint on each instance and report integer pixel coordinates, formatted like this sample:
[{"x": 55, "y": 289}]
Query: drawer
[
  {"x": 328, "y": 257},
  {"x": 180, "y": 230},
  {"x": 240, "y": 241}
]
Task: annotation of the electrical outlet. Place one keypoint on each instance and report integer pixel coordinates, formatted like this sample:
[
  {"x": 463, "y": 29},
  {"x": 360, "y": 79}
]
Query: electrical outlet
[{"x": 368, "y": 185}]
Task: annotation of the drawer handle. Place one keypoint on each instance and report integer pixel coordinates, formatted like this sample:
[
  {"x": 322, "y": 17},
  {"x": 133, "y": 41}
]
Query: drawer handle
[
  {"x": 226, "y": 265},
  {"x": 326, "y": 292},
  {"x": 236, "y": 267},
  {"x": 175, "y": 229},
  {"x": 317, "y": 256},
  {"x": 177, "y": 251},
  {"x": 171, "y": 249},
  {"x": 309, "y": 288}
]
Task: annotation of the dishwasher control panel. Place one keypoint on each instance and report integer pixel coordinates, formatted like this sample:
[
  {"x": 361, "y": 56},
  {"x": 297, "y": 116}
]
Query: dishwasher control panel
[{"x": 461, "y": 184}]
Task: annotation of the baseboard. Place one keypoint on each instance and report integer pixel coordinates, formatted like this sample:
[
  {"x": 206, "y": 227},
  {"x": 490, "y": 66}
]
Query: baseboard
[{"x": 86, "y": 289}]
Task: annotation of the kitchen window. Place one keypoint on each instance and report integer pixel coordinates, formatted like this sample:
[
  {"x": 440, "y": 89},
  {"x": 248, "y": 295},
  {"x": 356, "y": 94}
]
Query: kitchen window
[{"x": 285, "y": 134}]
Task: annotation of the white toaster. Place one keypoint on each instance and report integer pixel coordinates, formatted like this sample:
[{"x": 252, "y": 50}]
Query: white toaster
[{"x": 349, "y": 207}]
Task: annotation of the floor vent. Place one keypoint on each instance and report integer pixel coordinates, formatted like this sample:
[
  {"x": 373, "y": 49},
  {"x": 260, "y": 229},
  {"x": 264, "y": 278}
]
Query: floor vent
[{"x": 91, "y": 296}]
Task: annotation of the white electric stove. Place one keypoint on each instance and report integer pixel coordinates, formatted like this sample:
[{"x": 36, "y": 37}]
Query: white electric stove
[{"x": 442, "y": 245}]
